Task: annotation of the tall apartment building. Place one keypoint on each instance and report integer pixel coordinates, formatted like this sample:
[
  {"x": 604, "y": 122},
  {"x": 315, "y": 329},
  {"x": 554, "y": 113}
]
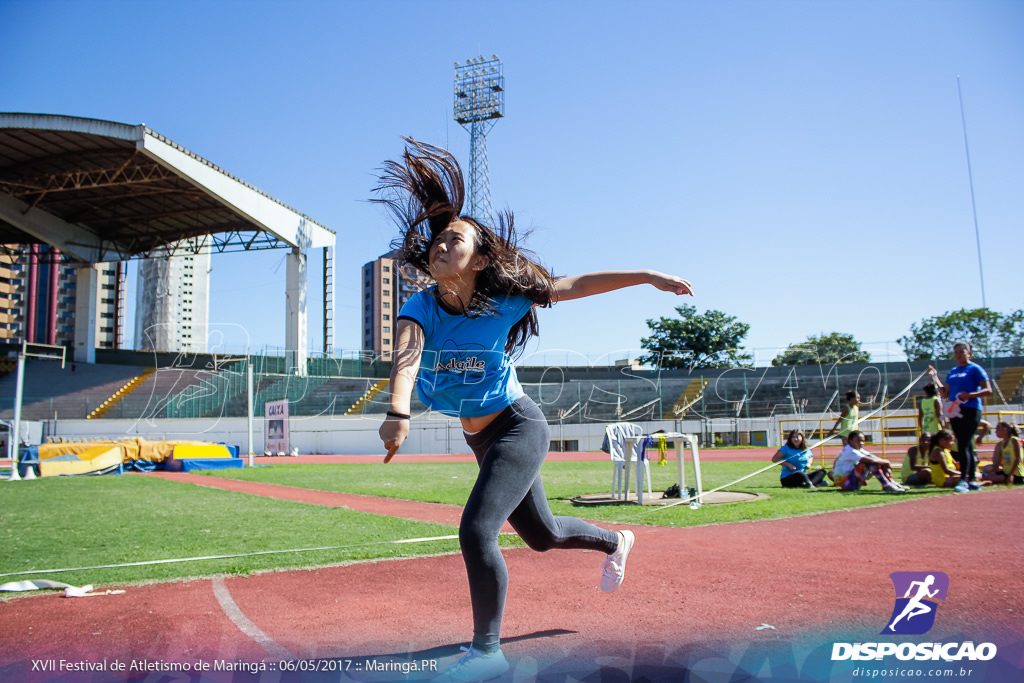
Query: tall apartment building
[
  {"x": 110, "y": 307},
  {"x": 38, "y": 295},
  {"x": 10, "y": 312},
  {"x": 172, "y": 309},
  {"x": 387, "y": 285}
]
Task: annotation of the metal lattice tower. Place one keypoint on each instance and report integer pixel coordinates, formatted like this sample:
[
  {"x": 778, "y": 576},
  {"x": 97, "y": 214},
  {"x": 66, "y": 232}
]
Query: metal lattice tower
[{"x": 479, "y": 103}]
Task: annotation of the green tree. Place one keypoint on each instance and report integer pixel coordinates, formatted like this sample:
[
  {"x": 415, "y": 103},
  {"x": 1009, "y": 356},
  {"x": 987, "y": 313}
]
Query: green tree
[
  {"x": 708, "y": 340},
  {"x": 824, "y": 349},
  {"x": 991, "y": 334}
]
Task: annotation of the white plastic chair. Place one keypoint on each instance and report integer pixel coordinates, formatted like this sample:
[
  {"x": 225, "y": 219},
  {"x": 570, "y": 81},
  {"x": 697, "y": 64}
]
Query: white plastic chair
[{"x": 615, "y": 436}]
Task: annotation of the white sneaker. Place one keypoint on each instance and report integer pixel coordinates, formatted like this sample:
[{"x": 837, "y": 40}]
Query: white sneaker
[
  {"x": 474, "y": 666},
  {"x": 614, "y": 566}
]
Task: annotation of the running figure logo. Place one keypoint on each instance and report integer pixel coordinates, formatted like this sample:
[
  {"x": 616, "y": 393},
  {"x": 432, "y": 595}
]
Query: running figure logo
[{"x": 914, "y": 613}]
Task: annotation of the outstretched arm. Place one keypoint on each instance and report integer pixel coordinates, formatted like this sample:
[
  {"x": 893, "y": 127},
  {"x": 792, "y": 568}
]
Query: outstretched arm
[
  {"x": 590, "y": 284},
  {"x": 843, "y": 413}
]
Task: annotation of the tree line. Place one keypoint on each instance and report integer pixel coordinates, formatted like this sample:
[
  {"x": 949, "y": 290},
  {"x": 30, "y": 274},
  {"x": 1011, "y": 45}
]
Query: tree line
[{"x": 714, "y": 339}]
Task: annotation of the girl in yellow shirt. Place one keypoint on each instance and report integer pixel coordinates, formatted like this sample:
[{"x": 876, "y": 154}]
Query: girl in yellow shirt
[
  {"x": 929, "y": 415},
  {"x": 1007, "y": 462},
  {"x": 849, "y": 418},
  {"x": 940, "y": 460}
]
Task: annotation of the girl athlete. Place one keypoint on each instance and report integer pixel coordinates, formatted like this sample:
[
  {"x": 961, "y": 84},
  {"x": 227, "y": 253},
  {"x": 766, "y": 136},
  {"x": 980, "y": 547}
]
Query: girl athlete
[
  {"x": 940, "y": 461},
  {"x": 849, "y": 418},
  {"x": 915, "y": 470},
  {"x": 1007, "y": 464},
  {"x": 454, "y": 343},
  {"x": 929, "y": 415}
]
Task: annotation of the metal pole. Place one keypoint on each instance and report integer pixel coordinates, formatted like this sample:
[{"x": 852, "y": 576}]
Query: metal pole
[
  {"x": 248, "y": 383},
  {"x": 14, "y": 448},
  {"x": 970, "y": 179}
]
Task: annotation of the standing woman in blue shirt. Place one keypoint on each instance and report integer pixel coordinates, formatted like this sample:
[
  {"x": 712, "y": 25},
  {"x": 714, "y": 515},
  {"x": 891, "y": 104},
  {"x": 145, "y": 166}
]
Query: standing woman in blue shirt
[
  {"x": 966, "y": 385},
  {"x": 454, "y": 343}
]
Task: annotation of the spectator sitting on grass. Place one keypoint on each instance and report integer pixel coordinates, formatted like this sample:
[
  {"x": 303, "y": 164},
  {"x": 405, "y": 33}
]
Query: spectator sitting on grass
[
  {"x": 1007, "y": 459},
  {"x": 940, "y": 460},
  {"x": 855, "y": 465},
  {"x": 794, "y": 456},
  {"x": 915, "y": 470}
]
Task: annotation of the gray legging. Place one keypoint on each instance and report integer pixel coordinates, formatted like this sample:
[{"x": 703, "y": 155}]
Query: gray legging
[{"x": 510, "y": 452}]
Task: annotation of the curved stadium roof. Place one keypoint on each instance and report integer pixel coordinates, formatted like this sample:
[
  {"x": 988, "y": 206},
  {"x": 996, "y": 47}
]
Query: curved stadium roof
[{"x": 106, "y": 191}]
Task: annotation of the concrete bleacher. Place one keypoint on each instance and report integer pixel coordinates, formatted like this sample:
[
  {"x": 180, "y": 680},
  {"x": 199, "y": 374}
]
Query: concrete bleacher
[
  {"x": 312, "y": 396},
  {"x": 567, "y": 395},
  {"x": 606, "y": 400},
  {"x": 151, "y": 398},
  {"x": 51, "y": 392},
  {"x": 330, "y": 396},
  {"x": 1011, "y": 383}
]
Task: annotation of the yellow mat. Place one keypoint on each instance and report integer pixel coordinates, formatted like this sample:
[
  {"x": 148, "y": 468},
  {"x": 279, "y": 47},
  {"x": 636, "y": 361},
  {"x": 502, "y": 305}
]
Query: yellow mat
[{"x": 94, "y": 459}]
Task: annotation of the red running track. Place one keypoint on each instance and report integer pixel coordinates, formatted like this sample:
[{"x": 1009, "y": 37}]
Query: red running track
[{"x": 748, "y": 601}]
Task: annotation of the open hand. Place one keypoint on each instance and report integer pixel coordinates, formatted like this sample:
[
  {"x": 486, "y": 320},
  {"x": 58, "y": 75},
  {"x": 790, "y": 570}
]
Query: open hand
[{"x": 671, "y": 283}]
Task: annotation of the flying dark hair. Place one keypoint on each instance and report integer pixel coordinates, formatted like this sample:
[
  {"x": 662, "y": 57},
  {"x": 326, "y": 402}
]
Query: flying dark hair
[{"x": 425, "y": 192}]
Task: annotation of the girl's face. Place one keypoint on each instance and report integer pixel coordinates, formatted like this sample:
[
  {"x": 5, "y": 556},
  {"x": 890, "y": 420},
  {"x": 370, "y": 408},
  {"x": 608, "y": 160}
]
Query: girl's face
[
  {"x": 453, "y": 253},
  {"x": 1002, "y": 432},
  {"x": 797, "y": 440},
  {"x": 855, "y": 400},
  {"x": 946, "y": 442}
]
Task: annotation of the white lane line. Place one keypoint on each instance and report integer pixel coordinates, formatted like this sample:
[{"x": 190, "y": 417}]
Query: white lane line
[{"x": 244, "y": 624}]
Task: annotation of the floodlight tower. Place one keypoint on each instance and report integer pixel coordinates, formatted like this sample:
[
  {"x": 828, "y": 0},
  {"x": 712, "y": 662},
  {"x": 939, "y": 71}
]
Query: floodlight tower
[{"x": 479, "y": 103}]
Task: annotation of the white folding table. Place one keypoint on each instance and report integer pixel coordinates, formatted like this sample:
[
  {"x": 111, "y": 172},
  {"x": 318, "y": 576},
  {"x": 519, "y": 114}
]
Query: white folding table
[{"x": 681, "y": 441}]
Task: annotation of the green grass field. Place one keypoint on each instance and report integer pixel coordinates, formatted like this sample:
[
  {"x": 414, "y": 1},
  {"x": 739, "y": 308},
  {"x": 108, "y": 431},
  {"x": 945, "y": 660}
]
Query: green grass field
[
  {"x": 451, "y": 482},
  {"x": 93, "y": 522}
]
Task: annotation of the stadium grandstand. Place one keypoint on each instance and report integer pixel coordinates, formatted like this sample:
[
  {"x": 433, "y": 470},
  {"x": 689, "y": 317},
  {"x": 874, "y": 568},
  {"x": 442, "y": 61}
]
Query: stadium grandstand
[{"x": 207, "y": 386}]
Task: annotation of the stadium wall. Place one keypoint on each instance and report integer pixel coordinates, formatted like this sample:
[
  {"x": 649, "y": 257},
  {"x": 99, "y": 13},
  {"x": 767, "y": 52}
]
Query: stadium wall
[{"x": 430, "y": 435}]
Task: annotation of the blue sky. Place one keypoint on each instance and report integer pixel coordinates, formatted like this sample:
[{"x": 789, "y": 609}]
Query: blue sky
[{"x": 801, "y": 163}]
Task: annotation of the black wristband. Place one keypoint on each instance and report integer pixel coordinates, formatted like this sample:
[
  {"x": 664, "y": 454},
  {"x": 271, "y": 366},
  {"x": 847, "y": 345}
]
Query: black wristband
[{"x": 400, "y": 416}]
